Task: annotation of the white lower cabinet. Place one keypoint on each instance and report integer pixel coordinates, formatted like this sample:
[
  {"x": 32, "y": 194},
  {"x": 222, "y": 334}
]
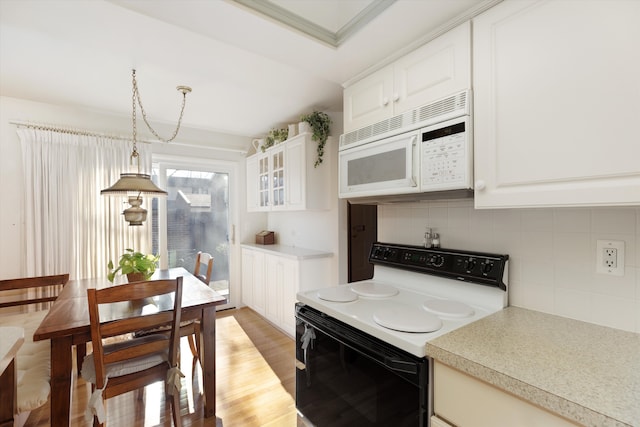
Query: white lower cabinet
[
  {"x": 464, "y": 401},
  {"x": 253, "y": 280},
  {"x": 271, "y": 281},
  {"x": 280, "y": 286}
]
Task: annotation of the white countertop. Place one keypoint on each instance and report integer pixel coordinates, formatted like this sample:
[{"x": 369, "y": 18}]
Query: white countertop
[
  {"x": 11, "y": 339},
  {"x": 289, "y": 251},
  {"x": 587, "y": 373}
]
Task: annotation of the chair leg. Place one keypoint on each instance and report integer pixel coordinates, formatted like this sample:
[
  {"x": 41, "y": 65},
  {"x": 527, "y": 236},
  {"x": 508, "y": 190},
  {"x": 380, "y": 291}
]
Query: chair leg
[
  {"x": 192, "y": 346},
  {"x": 96, "y": 422},
  {"x": 196, "y": 335},
  {"x": 175, "y": 410}
]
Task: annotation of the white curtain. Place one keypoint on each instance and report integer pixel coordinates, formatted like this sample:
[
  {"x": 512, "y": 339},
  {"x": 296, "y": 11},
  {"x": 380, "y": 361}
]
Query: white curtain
[{"x": 69, "y": 226}]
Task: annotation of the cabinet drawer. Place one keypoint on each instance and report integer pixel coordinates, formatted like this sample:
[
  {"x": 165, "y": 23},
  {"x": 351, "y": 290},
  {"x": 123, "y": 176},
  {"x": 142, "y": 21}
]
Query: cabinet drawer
[{"x": 468, "y": 402}]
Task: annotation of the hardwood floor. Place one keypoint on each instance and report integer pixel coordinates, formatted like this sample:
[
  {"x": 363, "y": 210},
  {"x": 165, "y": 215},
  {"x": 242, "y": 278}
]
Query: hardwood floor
[{"x": 255, "y": 383}]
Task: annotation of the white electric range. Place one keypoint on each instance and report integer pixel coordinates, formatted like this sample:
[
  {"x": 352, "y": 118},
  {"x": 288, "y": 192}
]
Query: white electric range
[
  {"x": 417, "y": 294},
  {"x": 361, "y": 347}
]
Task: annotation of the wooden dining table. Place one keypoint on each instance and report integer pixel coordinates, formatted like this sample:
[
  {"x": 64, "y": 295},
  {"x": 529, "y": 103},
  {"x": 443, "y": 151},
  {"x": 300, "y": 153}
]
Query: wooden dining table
[{"x": 67, "y": 324}]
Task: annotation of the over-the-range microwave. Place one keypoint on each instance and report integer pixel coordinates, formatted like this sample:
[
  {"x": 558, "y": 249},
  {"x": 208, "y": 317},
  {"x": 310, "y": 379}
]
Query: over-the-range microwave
[{"x": 418, "y": 154}]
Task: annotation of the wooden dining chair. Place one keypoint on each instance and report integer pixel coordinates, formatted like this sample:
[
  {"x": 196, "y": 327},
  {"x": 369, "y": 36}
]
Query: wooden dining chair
[
  {"x": 130, "y": 362},
  {"x": 203, "y": 260},
  {"x": 191, "y": 329},
  {"x": 24, "y": 302}
]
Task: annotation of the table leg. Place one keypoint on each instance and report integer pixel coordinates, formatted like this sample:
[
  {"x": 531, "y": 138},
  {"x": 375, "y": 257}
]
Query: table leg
[
  {"x": 208, "y": 360},
  {"x": 61, "y": 367}
]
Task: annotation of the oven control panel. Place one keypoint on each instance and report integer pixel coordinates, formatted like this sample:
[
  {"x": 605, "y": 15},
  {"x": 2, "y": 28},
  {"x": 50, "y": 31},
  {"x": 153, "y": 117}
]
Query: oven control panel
[{"x": 478, "y": 267}]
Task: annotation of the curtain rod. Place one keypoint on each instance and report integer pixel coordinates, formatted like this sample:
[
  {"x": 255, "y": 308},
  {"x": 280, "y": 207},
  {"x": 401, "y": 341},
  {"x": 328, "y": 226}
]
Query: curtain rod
[{"x": 71, "y": 131}]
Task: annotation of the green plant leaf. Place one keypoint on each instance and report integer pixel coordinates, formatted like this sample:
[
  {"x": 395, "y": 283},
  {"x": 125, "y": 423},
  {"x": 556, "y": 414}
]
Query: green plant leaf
[
  {"x": 320, "y": 126},
  {"x": 134, "y": 262}
]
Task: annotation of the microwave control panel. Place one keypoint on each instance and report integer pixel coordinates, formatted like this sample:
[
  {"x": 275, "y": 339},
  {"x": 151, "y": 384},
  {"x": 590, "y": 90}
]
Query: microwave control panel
[{"x": 446, "y": 156}]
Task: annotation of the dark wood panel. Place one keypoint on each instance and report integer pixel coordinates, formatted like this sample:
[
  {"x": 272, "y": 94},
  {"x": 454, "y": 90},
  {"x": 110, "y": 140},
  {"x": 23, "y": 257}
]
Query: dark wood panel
[{"x": 363, "y": 232}]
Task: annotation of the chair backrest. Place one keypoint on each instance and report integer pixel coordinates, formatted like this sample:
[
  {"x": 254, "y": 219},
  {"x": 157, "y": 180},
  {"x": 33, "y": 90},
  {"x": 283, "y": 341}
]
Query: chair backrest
[
  {"x": 15, "y": 292},
  {"x": 204, "y": 259},
  {"x": 133, "y": 294}
]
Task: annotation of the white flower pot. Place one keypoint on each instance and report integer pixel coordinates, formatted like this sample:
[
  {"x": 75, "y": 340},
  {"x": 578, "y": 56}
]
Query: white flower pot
[{"x": 303, "y": 127}]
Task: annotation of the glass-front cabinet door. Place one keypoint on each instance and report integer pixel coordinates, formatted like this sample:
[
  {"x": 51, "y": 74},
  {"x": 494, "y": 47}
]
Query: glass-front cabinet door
[
  {"x": 278, "y": 178},
  {"x": 263, "y": 182}
]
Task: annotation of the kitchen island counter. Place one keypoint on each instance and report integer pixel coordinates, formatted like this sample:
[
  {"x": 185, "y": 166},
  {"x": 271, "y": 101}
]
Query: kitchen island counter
[{"x": 584, "y": 372}]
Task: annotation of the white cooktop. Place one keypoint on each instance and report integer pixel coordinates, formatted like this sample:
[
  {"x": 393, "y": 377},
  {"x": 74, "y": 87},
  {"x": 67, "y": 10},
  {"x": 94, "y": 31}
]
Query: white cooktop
[{"x": 401, "y": 307}]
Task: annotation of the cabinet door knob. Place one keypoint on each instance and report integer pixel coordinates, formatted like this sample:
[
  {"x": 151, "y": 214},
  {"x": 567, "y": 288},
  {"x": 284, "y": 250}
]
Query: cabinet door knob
[
  {"x": 480, "y": 185},
  {"x": 385, "y": 101},
  {"x": 396, "y": 97}
]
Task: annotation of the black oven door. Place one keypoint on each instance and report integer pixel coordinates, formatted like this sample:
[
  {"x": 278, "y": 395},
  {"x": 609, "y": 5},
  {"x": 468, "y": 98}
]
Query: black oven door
[{"x": 345, "y": 377}]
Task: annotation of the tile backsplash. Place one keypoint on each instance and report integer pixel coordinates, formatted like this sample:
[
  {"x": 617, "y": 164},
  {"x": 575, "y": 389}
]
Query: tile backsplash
[{"x": 552, "y": 253}]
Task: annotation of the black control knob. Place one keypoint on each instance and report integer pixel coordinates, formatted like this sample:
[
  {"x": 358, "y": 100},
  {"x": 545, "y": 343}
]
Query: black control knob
[
  {"x": 436, "y": 260},
  {"x": 486, "y": 267},
  {"x": 469, "y": 264}
]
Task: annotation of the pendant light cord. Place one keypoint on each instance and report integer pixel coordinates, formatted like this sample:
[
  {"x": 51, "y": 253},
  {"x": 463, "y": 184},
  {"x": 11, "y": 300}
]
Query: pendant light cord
[
  {"x": 134, "y": 152},
  {"x": 136, "y": 96}
]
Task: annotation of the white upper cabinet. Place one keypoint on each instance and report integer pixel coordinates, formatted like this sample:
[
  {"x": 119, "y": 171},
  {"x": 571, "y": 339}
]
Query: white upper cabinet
[
  {"x": 433, "y": 71},
  {"x": 284, "y": 177},
  {"x": 556, "y": 104},
  {"x": 266, "y": 180},
  {"x": 369, "y": 100}
]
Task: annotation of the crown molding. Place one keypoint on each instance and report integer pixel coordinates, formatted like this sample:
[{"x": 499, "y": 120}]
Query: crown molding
[{"x": 312, "y": 29}]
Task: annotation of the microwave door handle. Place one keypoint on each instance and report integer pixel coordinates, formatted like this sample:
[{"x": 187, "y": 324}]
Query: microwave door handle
[{"x": 414, "y": 156}]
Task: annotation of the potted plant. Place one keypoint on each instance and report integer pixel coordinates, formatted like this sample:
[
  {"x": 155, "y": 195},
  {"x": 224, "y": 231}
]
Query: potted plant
[
  {"x": 136, "y": 265},
  {"x": 319, "y": 123},
  {"x": 275, "y": 136}
]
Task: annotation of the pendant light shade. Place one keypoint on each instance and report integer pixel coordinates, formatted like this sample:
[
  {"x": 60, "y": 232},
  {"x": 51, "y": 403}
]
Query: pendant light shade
[{"x": 134, "y": 182}]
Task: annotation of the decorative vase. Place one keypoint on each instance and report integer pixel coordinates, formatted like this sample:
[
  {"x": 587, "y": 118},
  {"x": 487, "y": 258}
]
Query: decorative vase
[
  {"x": 303, "y": 127},
  {"x": 135, "y": 277},
  {"x": 293, "y": 130},
  {"x": 257, "y": 144}
]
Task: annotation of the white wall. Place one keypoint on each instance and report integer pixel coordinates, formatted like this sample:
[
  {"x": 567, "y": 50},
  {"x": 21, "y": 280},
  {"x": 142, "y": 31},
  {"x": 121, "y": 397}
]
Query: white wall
[
  {"x": 193, "y": 142},
  {"x": 318, "y": 230},
  {"x": 552, "y": 253}
]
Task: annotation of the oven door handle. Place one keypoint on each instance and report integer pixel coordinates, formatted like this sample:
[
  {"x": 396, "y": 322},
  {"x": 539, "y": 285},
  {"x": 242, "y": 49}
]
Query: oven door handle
[{"x": 401, "y": 366}]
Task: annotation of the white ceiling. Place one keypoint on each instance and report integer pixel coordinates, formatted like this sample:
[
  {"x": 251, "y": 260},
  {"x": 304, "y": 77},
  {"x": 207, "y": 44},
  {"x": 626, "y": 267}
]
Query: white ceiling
[{"x": 248, "y": 72}]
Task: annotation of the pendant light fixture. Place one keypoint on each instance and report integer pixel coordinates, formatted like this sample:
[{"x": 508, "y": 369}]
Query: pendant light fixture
[{"x": 135, "y": 184}]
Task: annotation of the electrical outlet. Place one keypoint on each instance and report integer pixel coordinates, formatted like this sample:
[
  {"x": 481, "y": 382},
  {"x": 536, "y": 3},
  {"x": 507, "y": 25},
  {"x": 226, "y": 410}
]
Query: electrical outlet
[{"x": 610, "y": 257}]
